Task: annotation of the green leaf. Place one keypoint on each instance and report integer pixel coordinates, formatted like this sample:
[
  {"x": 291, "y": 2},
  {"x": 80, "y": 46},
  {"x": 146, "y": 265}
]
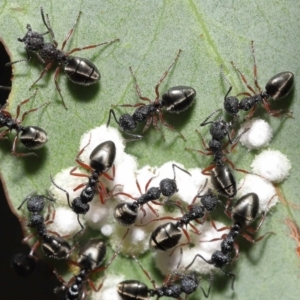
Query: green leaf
[{"x": 210, "y": 33}]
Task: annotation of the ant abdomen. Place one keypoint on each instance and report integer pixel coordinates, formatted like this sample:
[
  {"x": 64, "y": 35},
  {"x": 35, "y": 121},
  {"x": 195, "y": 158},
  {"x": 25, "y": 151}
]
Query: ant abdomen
[
  {"x": 82, "y": 71},
  {"x": 280, "y": 85},
  {"x": 178, "y": 99},
  {"x": 33, "y": 137}
]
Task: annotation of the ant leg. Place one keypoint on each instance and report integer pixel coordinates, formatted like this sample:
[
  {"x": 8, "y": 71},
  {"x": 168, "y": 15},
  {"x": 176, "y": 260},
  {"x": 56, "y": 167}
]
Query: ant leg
[
  {"x": 107, "y": 176},
  {"x": 77, "y": 174},
  {"x": 20, "y": 60},
  {"x": 276, "y": 113},
  {"x": 145, "y": 272},
  {"x": 150, "y": 120},
  {"x": 92, "y": 46},
  {"x": 239, "y": 170},
  {"x": 102, "y": 192},
  {"x": 182, "y": 244},
  {"x": 255, "y": 68},
  {"x": 137, "y": 88},
  {"x": 70, "y": 31},
  {"x": 139, "y": 104},
  {"x": 56, "y": 74},
  {"x": 159, "y": 219},
  {"x": 4, "y": 133},
  {"x": 243, "y": 78},
  {"x": 251, "y": 112},
  {"x": 206, "y": 171},
  {"x": 165, "y": 74},
  {"x": 251, "y": 240},
  {"x": 218, "y": 229},
  {"x": 33, "y": 249},
  {"x": 93, "y": 287},
  {"x": 85, "y": 166},
  {"x": 48, "y": 66},
  {"x": 22, "y": 103},
  {"x": 32, "y": 110},
  {"x": 161, "y": 118},
  {"x": 19, "y": 154}
]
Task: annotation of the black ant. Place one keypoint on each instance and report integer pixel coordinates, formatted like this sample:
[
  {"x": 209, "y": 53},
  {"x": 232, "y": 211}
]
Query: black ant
[
  {"x": 101, "y": 160},
  {"x": 79, "y": 70},
  {"x": 243, "y": 212},
  {"x": 90, "y": 258},
  {"x": 173, "y": 286},
  {"x": 32, "y": 137},
  {"x": 167, "y": 236},
  {"x": 175, "y": 100},
  {"x": 52, "y": 244},
  {"x": 126, "y": 213},
  {"x": 222, "y": 177},
  {"x": 276, "y": 88}
]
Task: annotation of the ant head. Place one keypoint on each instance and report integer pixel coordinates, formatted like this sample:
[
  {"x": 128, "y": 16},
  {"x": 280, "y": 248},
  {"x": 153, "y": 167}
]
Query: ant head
[{"x": 33, "y": 41}]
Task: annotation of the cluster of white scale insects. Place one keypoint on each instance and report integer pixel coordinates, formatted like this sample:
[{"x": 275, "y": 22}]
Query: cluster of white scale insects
[{"x": 272, "y": 165}]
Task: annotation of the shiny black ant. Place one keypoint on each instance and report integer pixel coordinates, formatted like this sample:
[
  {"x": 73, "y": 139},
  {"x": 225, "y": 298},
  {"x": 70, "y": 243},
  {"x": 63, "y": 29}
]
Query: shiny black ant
[
  {"x": 90, "y": 258},
  {"x": 222, "y": 177},
  {"x": 52, "y": 244},
  {"x": 101, "y": 160},
  {"x": 175, "y": 100},
  {"x": 32, "y": 137},
  {"x": 173, "y": 286},
  {"x": 167, "y": 236},
  {"x": 243, "y": 213},
  {"x": 276, "y": 88},
  {"x": 79, "y": 70},
  {"x": 126, "y": 213}
]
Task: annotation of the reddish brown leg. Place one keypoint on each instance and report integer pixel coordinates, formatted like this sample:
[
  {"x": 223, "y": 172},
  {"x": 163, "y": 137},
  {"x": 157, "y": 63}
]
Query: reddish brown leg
[
  {"x": 145, "y": 272},
  {"x": 243, "y": 78},
  {"x": 251, "y": 112},
  {"x": 207, "y": 170},
  {"x": 91, "y": 46},
  {"x": 183, "y": 244},
  {"x": 19, "y": 154},
  {"x": 4, "y": 133},
  {"x": 56, "y": 74},
  {"x": 77, "y": 174},
  {"x": 255, "y": 68},
  {"x": 165, "y": 74},
  {"x": 137, "y": 88},
  {"x": 161, "y": 118},
  {"x": 70, "y": 32},
  {"x": 32, "y": 110},
  {"x": 48, "y": 66}
]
